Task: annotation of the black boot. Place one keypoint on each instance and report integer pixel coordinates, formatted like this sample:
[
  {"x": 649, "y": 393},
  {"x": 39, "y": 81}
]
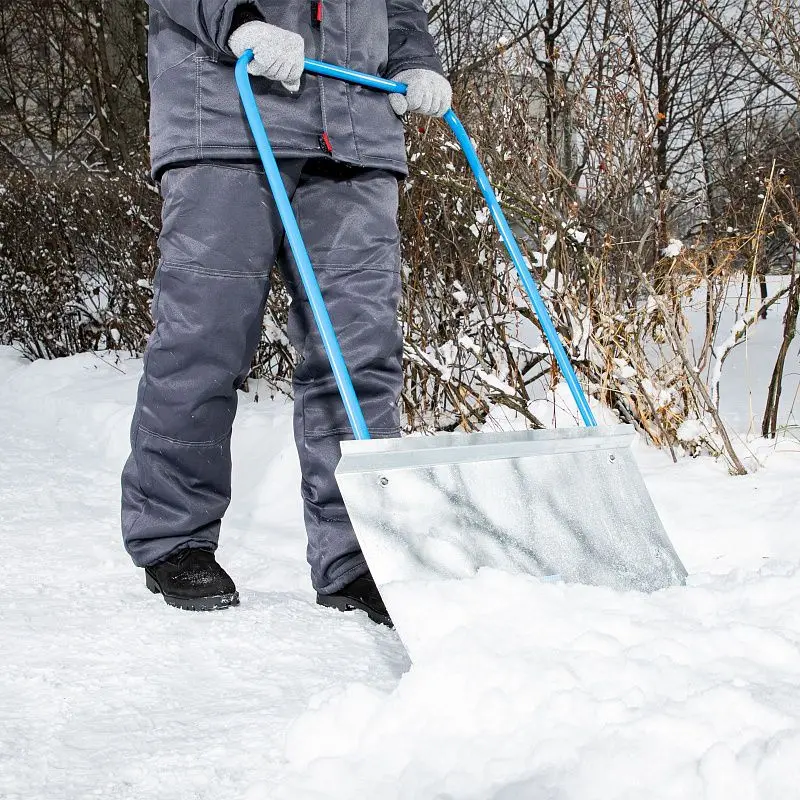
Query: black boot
[
  {"x": 361, "y": 594},
  {"x": 191, "y": 579}
]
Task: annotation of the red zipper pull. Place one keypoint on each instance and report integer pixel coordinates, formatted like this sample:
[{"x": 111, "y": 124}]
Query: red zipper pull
[
  {"x": 316, "y": 12},
  {"x": 325, "y": 143}
]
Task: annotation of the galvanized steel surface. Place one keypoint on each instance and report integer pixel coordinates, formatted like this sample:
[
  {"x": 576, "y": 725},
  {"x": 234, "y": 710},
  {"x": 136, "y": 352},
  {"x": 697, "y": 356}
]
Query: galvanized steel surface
[{"x": 567, "y": 502}]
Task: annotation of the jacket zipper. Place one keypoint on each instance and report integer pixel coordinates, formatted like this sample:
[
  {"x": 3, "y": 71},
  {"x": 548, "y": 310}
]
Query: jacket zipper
[{"x": 317, "y": 16}]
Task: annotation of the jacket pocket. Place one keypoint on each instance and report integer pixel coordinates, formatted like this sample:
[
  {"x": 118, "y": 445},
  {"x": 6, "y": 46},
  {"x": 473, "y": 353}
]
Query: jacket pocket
[{"x": 168, "y": 45}]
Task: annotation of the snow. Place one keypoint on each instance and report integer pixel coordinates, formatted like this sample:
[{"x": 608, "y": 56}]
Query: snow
[
  {"x": 673, "y": 249},
  {"x": 577, "y": 235},
  {"x": 495, "y": 383},
  {"x": 537, "y": 690},
  {"x": 624, "y": 370},
  {"x": 691, "y": 430}
]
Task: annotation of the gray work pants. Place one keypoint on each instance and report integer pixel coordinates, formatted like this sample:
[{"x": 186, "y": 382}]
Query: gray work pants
[{"x": 220, "y": 237}]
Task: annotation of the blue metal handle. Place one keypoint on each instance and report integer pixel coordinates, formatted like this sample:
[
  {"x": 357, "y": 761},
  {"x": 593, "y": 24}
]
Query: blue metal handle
[
  {"x": 307, "y": 273},
  {"x": 351, "y": 76},
  {"x": 507, "y": 237},
  {"x": 524, "y": 273},
  {"x": 318, "y": 309}
]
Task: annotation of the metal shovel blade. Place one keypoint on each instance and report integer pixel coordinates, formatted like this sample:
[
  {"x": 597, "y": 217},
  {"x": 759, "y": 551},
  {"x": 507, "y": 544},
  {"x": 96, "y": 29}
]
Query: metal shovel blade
[{"x": 569, "y": 503}]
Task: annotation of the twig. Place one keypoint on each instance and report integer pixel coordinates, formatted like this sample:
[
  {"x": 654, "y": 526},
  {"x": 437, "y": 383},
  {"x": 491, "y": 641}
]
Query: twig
[{"x": 736, "y": 465}]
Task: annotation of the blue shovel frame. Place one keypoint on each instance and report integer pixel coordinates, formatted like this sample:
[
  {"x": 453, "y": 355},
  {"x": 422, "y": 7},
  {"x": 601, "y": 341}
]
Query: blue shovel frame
[{"x": 306, "y": 270}]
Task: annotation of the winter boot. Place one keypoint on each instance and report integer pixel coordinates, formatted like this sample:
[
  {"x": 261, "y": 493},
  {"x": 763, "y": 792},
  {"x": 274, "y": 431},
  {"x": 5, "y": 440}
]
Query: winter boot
[
  {"x": 361, "y": 594},
  {"x": 191, "y": 579}
]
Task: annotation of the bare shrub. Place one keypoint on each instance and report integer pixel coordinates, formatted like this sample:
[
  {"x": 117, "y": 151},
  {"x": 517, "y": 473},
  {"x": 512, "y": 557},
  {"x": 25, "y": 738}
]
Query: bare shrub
[{"x": 76, "y": 262}]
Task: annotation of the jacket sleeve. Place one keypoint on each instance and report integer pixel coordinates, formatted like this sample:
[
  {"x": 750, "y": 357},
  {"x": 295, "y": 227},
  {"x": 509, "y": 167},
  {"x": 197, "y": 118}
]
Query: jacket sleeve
[
  {"x": 410, "y": 44},
  {"x": 211, "y": 21}
]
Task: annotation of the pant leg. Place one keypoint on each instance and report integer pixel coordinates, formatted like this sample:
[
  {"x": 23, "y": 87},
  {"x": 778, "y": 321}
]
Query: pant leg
[
  {"x": 219, "y": 238},
  {"x": 348, "y": 217}
]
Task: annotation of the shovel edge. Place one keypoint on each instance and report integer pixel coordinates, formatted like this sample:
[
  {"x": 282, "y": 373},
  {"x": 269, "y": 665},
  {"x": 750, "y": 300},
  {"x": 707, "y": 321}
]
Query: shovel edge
[{"x": 457, "y": 448}]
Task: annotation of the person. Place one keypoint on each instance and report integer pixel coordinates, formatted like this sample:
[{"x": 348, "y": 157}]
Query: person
[{"x": 341, "y": 152}]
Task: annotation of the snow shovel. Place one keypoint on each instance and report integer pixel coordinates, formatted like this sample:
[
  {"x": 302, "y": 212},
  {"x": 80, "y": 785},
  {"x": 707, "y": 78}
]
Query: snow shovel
[{"x": 566, "y": 504}]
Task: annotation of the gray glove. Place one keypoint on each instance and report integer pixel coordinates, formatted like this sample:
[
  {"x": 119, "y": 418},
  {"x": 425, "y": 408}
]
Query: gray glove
[
  {"x": 428, "y": 93},
  {"x": 277, "y": 53}
]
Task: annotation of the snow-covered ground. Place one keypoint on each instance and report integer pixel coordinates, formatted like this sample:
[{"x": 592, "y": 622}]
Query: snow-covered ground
[{"x": 540, "y": 690}]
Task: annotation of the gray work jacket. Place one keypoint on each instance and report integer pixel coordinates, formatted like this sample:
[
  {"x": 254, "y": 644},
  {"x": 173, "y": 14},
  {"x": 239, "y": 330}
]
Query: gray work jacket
[{"x": 195, "y": 111}]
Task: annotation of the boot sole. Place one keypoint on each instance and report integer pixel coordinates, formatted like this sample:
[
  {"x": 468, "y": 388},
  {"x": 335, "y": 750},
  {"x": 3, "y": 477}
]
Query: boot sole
[
  {"x": 349, "y": 604},
  {"x": 210, "y": 603}
]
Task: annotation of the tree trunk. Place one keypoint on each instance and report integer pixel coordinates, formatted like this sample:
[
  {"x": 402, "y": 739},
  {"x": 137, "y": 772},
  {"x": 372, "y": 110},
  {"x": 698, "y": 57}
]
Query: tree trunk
[{"x": 769, "y": 424}]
